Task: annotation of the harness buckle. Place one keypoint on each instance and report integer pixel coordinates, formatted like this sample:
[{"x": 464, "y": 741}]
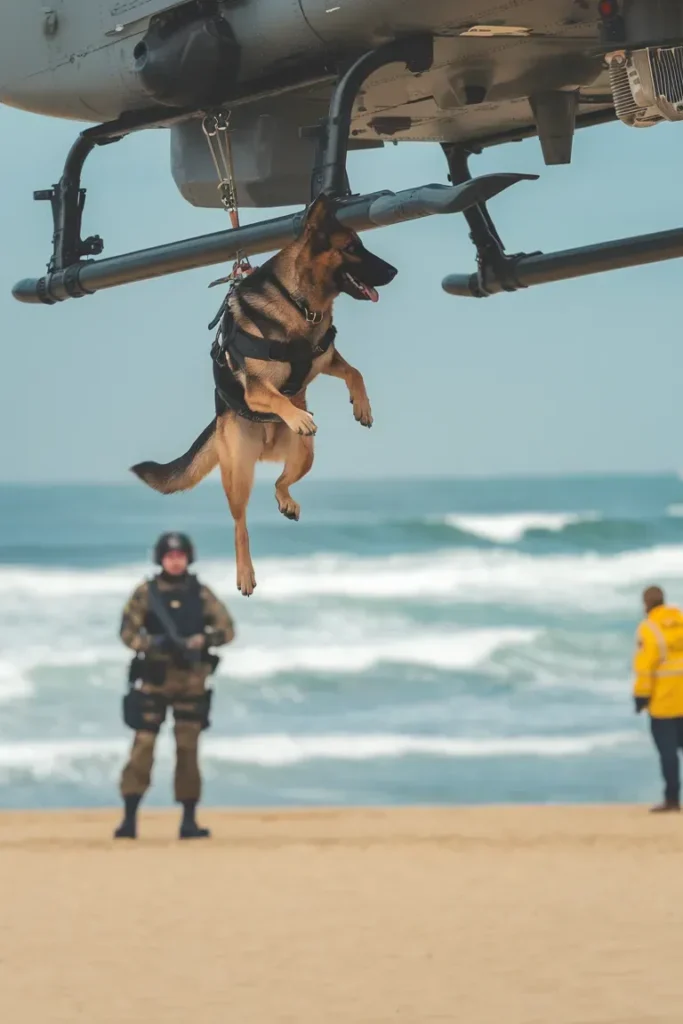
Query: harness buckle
[{"x": 312, "y": 317}]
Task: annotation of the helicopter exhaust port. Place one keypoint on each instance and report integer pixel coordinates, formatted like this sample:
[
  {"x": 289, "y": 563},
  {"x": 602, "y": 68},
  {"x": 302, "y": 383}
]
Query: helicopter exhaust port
[{"x": 188, "y": 57}]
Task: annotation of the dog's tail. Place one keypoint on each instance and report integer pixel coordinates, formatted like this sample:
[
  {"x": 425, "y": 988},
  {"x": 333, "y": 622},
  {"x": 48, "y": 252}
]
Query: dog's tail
[{"x": 185, "y": 472}]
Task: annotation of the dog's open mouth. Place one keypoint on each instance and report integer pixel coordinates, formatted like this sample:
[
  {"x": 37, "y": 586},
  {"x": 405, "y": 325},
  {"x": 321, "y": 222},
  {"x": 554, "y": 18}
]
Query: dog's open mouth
[{"x": 362, "y": 291}]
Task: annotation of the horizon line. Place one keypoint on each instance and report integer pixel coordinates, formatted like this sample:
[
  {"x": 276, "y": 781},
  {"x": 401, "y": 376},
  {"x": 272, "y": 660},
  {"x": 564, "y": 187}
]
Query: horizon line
[{"x": 392, "y": 478}]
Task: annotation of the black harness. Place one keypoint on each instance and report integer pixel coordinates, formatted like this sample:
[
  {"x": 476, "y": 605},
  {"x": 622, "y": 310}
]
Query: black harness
[{"x": 233, "y": 345}]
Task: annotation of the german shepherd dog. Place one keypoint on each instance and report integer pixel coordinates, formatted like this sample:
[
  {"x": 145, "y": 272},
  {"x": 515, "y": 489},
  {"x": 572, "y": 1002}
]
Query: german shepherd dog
[{"x": 277, "y": 336}]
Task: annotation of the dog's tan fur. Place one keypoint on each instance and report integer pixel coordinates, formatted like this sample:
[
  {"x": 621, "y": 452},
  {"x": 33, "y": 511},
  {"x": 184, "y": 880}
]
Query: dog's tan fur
[{"x": 307, "y": 270}]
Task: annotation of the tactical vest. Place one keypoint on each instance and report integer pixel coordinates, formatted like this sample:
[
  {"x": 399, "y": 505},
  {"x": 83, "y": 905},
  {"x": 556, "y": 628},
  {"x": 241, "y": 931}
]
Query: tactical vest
[{"x": 183, "y": 604}]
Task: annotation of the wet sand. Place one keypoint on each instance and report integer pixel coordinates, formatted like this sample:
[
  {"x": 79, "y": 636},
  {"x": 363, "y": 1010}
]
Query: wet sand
[{"x": 478, "y": 916}]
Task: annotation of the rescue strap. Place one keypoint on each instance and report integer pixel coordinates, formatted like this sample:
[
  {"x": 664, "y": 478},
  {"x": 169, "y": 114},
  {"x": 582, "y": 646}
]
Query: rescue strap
[{"x": 216, "y": 128}]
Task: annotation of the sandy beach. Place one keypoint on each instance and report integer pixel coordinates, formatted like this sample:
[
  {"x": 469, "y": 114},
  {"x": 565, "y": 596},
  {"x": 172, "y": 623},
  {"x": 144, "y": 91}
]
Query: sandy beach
[{"x": 517, "y": 915}]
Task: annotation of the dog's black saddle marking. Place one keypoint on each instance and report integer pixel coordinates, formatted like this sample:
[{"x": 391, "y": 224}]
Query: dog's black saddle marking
[{"x": 233, "y": 345}]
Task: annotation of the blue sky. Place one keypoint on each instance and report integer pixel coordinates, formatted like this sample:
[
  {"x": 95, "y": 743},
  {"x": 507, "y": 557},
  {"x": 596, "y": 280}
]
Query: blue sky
[{"x": 580, "y": 376}]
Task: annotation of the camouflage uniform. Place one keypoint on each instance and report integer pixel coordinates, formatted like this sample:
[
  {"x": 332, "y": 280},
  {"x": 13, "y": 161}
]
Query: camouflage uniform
[{"x": 179, "y": 684}]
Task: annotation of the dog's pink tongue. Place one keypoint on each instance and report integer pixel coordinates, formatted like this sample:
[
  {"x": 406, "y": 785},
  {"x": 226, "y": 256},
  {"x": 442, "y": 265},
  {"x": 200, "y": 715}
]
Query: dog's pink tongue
[{"x": 371, "y": 293}]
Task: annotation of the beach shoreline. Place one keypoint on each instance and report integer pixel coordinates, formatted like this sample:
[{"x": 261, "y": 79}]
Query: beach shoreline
[{"x": 517, "y": 914}]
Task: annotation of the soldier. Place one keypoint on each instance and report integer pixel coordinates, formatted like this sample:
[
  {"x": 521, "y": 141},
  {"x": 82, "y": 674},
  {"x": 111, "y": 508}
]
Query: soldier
[{"x": 171, "y": 622}]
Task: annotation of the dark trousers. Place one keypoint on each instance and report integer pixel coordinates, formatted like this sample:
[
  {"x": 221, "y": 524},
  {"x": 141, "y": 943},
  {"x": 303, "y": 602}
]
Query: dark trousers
[{"x": 668, "y": 736}]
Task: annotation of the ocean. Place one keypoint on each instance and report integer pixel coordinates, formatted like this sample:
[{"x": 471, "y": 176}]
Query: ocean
[{"x": 409, "y": 642}]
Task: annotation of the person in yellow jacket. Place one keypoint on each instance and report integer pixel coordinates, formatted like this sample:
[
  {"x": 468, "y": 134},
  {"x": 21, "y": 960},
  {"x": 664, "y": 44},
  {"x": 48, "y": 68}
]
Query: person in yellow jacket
[{"x": 658, "y": 667}]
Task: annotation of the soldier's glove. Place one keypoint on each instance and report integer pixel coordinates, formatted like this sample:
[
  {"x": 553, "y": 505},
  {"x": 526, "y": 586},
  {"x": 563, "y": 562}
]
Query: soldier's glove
[
  {"x": 641, "y": 703},
  {"x": 213, "y": 638},
  {"x": 196, "y": 642}
]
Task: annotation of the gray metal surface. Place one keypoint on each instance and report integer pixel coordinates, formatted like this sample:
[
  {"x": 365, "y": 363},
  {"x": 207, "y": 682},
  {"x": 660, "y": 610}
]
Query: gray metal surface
[{"x": 85, "y": 69}]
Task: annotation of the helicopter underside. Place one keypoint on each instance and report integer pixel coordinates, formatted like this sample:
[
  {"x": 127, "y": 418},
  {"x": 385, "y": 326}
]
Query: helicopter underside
[
  {"x": 296, "y": 84},
  {"x": 479, "y": 88}
]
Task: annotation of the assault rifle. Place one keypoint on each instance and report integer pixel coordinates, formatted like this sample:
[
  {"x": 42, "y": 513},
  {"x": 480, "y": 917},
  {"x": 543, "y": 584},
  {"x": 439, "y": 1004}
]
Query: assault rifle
[{"x": 184, "y": 655}]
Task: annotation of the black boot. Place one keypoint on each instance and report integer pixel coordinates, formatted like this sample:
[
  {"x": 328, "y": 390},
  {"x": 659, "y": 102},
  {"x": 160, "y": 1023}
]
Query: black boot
[
  {"x": 128, "y": 829},
  {"x": 667, "y": 807},
  {"x": 189, "y": 829}
]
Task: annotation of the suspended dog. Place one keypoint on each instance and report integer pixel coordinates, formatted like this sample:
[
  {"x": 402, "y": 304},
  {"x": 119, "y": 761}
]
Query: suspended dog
[{"x": 276, "y": 336}]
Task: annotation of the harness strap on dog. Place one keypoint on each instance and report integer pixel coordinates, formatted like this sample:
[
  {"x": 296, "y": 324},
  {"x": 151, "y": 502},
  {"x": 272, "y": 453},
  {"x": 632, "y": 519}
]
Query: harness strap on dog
[
  {"x": 233, "y": 346},
  {"x": 239, "y": 345},
  {"x": 309, "y": 315},
  {"x": 262, "y": 320},
  {"x": 229, "y": 395},
  {"x": 219, "y": 315}
]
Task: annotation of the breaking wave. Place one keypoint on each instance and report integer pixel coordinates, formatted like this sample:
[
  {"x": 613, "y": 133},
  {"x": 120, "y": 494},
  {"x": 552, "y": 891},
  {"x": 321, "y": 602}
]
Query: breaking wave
[
  {"x": 272, "y": 654},
  {"x": 512, "y": 527},
  {"x": 475, "y": 574},
  {"x": 30, "y": 570},
  {"x": 46, "y": 758}
]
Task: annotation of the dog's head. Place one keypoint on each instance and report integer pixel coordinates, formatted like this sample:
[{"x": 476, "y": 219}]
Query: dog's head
[{"x": 340, "y": 256}]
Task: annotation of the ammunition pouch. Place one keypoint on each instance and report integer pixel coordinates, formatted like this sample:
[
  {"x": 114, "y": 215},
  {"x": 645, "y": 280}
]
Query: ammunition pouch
[
  {"x": 147, "y": 670},
  {"x": 144, "y": 712},
  {"x": 194, "y": 709},
  {"x": 180, "y": 661}
]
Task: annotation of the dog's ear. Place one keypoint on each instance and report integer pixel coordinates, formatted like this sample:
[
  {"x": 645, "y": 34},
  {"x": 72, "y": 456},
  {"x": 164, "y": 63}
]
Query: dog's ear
[{"x": 320, "y": 213}]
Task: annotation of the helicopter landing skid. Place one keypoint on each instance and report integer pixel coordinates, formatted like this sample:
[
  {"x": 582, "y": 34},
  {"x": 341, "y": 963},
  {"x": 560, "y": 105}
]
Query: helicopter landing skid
[
  {"x": 72, "y": 273},
  {"x": 498, "y": 272}
]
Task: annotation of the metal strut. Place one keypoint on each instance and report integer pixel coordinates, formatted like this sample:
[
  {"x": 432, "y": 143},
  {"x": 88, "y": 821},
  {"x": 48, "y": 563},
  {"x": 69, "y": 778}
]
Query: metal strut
[
  {"x": 497, "y": 272},
  {"x": 67, "y": 200},
  {"x": 416, "y": 52},
  {"x": 492, "y": 261}
]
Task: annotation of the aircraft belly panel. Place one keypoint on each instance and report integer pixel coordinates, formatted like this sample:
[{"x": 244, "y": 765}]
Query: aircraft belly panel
[
  {"x": 487, "y": 121},
  {"x": 118, "y": 14},
  {"x": 378, "y": 20},
  {"x": 439, "y": 105},
  {"x": 502, "y": 72}
]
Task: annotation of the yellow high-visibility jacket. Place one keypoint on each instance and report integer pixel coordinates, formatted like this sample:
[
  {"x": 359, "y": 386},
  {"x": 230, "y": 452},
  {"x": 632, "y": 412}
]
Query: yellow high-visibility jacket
[{"x": 658, "y": 662}]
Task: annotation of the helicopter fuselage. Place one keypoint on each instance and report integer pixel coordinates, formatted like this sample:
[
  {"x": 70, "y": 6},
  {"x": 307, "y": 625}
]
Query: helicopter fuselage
[{"x": 76, "y": 59}]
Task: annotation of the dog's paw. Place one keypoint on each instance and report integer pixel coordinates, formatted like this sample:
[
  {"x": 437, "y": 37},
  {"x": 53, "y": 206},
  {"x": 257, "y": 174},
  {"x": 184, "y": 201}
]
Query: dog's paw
[
  {"x": 301, "y": 422},
  {"x": 289, "y": 508},
  {"x": 246, "y": 580},
  {"x": 362, "y": 411}
]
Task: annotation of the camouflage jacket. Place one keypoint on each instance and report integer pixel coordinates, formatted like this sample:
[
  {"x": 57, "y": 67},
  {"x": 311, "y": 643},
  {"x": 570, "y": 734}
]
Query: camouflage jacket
[{"x": 219, "y": 626}]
